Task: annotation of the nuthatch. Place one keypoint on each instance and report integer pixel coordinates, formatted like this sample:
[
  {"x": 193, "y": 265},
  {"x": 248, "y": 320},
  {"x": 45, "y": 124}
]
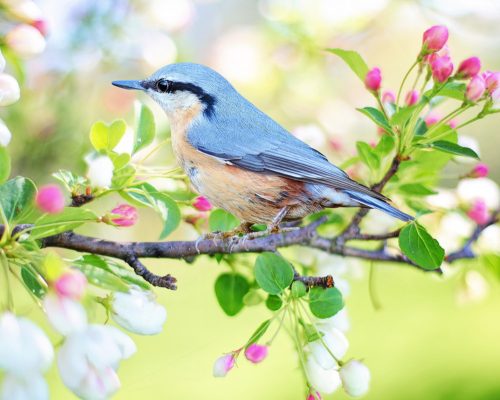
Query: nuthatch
[{"x": 241, "y": 159}]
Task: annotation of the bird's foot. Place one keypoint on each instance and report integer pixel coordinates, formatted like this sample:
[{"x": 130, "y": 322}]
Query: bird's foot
[
  {"x": 242, "y": 229},
  {"x": 272, "y": 229}
]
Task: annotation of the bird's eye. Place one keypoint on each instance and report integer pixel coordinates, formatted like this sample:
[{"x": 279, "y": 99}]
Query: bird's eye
[{"x": 163, "y": 85}]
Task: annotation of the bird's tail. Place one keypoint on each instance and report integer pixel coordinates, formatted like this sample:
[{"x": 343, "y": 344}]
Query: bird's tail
[{"x": 378, "y": 204}]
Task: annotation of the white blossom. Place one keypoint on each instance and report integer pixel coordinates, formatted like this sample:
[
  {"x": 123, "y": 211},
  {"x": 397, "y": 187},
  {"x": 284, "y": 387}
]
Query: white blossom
[
  {"x": 355, "y": 378},
  {"x": 323, "y": 380},
  {"x": 25, "y": 40},
  {"x": 138, "y": 312},
  {"x": 5, "y": 134},
  {"x": 29, "y": 387},
  {"x": 9, "y": 90},
  {"x": 100, "y": 172},
  {"x": 339, "y": 321},
  {"x": 65, "y": 314},
  {"x": 88, "y": 360},
  {"x": 337, "y": 344},
  {"x": 469, "y": 190},
  {"x": 26, "y": 10},
  {"x": 2, "y": 62}
]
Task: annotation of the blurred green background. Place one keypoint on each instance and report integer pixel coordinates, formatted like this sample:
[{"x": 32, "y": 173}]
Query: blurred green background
[{"x": 431, "y": 339}]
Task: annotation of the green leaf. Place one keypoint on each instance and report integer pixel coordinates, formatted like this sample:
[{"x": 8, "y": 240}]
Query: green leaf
[
  {"x": 16, "y": 198},
  {"x": 376, "y": 116},
  {"x": 71, "y": 181},
  {"x": 222, "y": 221},
  {"x": 67, "y": 220},
  {"x": 259, "y": 332},
  {"x": 402, "y": 116},
  {"x": 385, "y": 145},
  {"x": 146, "y": 129},
  {"x": 123, "y": 177},
  {"x": 454, "y": 90},
  {"x": 119, "y": 160},
  {"x": 273, "y": 273},
  {"x": 34, "y": 282},
  {"x": 368, "y": 155},
  {"x": 4, "y": 164},
  {"x": 99, "y": 273},
  {"x": 253, "y": 298},
  {"x": 312, "y": 334},
  {"x": 353, "y": 60},
  {"x": 453, "y": 148},
  {"x": 127, "y": 275},
  {"x": 106, "y": 137},
  {"x": 324, "y": 303},
  {"x": 420, "y": 247},
  {"x": 416, "y": 189},
  {"x": 274, "y": 302},
  {"x": 298, "y": 289},
  {"x": 230, "y": 290}
]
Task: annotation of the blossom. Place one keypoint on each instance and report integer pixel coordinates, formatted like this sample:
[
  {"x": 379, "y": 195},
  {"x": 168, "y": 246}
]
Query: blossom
[
  {"x": 441, "y": 68},
  {"x": 373, "y": 79},
  {"x": 2, "y": 62},
  {"x": 323, "y": 380},
  {"x": 412, "y": 97},
  {"x": 495, "y": 98},
  {"x": 128, "y": 215},
  {"x": 434, "y": 38},
  {"x": 256, "y": 353},
  {"x": 24, "y": 348},
  {"x": 492, "y": 80},
  {"x": 479, "y": 212},
  {"x": 481, "y": 170},
  {"x": 468, "y": 68},
  {"x": 25, "y": 10},
  {"x": 100, "y": 172},
  {"x": 89, "y": 358},
  {"x": 9, "y": 90},
  {"x": 25, "y": 40},
  {"x": 468, "y": 190},
  {"x": 389, "y": 97},
  {"x": 138, "y": 312},
  {"x": 5, "y": 135},
  {"x": 336, "y": 344},
  {"x": 50, "y": 199},
  {"x": 475, "y": 88},
  {"x": 355, "y": 378},
  {"x": 201, "y": 203},
  {"x": 65, "y": 314},
  {"x": 313, "y": 396},
  {"x": 71, "y": 284},
  {"x": 432, "y": 118},
  {"x": 223, "y": 365},
  {"x": 338, "y": 321},
  {"x": 28, "y": 387}
]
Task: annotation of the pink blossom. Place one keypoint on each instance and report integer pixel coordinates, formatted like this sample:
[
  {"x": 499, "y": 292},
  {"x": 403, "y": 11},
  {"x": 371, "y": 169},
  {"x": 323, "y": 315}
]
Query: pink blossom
[
  {"x": 128, "y": 215},
  {"x": 481, "y": 170},
  {"x": 314, "y": 396},
  {"x": 475, "y": 88},
  {"x": 335, "y": 144},
  {"x": 71, "y": 284},
  {"x": 373, "y": 79},
  {"x": 223, "y": 365},
  {"x": 41, "y": 25},
  {"x": 468, "y": 68},
  {"x": 495, "y": 97},
  {"x": 256, "y": 353},
  {"x": 452, "y": 123},
  {"x": 435, "y": 38},
  {"x": 441, "y": 68},
  {"x": 201, "y": 203},
  {"x": 412, "y": 97},
  {"x": 389, "y": 97},
  {"x": 492, "y": 80},
  {"x": 432, "y": 118},
  {"x": 478, "y": 212},
  {"x": 50, "y": 199}
]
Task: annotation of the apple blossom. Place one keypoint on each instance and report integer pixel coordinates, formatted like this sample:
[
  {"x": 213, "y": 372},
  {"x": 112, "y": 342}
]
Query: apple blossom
[
  {"x": 138, "y": 312},
  {"x": 65, "y": 314},
  {"x": 475, "y": 88},
  {"x": 28, "y": 387},
  {"x": 468, "y": 190},
  {"x": 434, "y": 38},
  {"x": 478, "y": 212},
  {"x": 432, "y": 118},
  {"x": 5, "y": 135},
  {"x": 89, "y": 358},
  {"x": 412, "y": 97},
  {"x": 201, "y": 203},
  {"x": 25, "y": 10},
  {"x": 389, "y": 97},
  {"x": 256, "y": 353},
  {"x": 2, "y": 62},
  {"x": 481, "y": 170},
  {"x": 373, "y": 79},
  {"x": 223, "y": 365},
  {"x": 25, "y": 40},
  {"x": 492, "y": 80},
  {"x": 495, "y": 98},
  {"x": 50, "y": 199},
  {"x": 100, "y": 172},
  {"x": 128, "y": 215},
  {"x": 9, "y": 90},
  {"x": 339, "y": 321},
  {"x": 355, "y": 378},
  {"x": 314, "y": 396},
  {"x": 323, "y": 380},
  {"x": 441, "y": 68},
  {"x": 72, "y": 284},
  {"x": 336, "y": 344},
  {"x": 468, "y": 68}
]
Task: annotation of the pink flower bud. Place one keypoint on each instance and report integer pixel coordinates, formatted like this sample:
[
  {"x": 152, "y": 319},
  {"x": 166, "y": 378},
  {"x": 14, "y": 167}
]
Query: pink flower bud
[
  {"x": 468, "y": 68},
  {"x": 475, "y": 88},
  {"x": 50, "y": 199},
  {"x": 478, "y": 212},
  {"x": 481, "y": 170},
  {"x": 492, "y": 80},
  {"x": 256, "y": 353},
  {"x": 389, "y": 97},
  {"x": 201, "y": 203},
  {"x": 41, "y": 25},
  {"x": 373, "y": 79},
  {"x": 71, "y": 284},
  {"x": 452, "y": 123},
  {"x": 25, "y": 40},
  {"x": 441, "y": 68},
  {"x": 223, "y": 365},
  {"x": 128, "y": 215},
  {"x": 412, "y": 97},
  {"x": 314, "y": 396},
  {"x": 435, "y": 38},
  {"x": 432, "y": 118}
]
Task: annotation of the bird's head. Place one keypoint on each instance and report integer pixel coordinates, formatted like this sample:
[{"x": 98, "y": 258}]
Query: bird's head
[{"x": 182, "y": 86}]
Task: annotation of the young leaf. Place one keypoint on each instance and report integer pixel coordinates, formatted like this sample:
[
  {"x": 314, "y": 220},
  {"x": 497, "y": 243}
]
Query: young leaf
[
  {"x": 146, "y": 129},
  {"x": 353, "y": 60},
  {"x": 4, "y": 164},
  {"x": 230, "y": 289},
  {"x": 273, "y": 273},
  {"x": 325, "y": 303},
  {"x": 454, "y": 90},
  {"x": 222, "y": 221},
  {"x": 259, "y": 332},
  {"x": 34, "y": 282},
  {"x": 16, "y": 198},
  {"x": 378, "y": 117},
  {"x": 453, "y": 148},
  {"x": 106, "y": 137},
  {"x": 67, "y": 220},
  {"x": 420, "y": 247},
  {"x": 99, "y": 273},
  {"x": 385, "y": 145},
  {"x": 274, "y": 302},
  {"x": 416, "y": 189},
  {"x": 123, "y": 177},
  {"x": 368, "y": 156}
]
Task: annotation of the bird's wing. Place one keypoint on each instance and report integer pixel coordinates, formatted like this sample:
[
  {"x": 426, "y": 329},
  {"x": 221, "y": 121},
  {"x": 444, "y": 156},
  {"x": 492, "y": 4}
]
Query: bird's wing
[{"x": 264, "y": 146}]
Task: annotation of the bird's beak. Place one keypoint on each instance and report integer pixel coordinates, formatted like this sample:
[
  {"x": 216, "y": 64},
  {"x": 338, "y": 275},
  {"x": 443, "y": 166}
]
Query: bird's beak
[{"x": 130, "y": 85}]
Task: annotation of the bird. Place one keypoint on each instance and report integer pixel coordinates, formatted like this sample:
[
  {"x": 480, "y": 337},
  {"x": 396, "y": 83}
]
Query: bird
[{"x": 242, "y": 160}]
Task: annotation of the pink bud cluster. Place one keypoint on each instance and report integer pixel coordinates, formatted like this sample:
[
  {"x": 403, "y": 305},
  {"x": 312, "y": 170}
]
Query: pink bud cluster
[
  {"x": 254, "y": 353},
  {"x": 127, "y": 215}
]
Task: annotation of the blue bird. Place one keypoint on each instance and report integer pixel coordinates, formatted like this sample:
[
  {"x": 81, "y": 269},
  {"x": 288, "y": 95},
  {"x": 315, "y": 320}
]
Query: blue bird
[{"x": 241, "y": 159}]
